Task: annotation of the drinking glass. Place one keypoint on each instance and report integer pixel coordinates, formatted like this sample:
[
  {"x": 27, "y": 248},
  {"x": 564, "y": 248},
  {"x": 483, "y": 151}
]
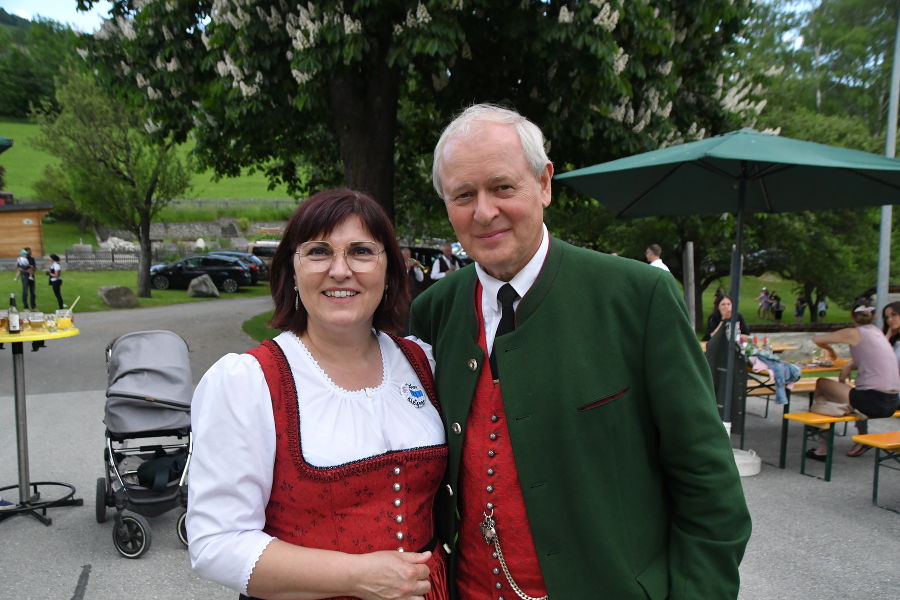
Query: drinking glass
[
  {"x": 3, "y": 320},
  {"x": 50, "y": 322},
  {"x": 64, "y": 318},
  {"x": 37, "y": 321}
]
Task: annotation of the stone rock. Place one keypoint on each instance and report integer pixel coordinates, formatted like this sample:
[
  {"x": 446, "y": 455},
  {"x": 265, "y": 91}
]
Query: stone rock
[
  {"x": 202, "y": 287},
  {"x": 118, "y": 296}
]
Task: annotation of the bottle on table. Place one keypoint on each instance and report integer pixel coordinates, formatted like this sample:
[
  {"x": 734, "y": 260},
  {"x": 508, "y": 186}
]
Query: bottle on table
[{"x": 13, "y": 324}]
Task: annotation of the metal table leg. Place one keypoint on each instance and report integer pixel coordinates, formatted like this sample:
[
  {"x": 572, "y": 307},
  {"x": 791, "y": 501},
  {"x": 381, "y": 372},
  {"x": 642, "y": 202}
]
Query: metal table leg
[{"x": 30, "y": 502}]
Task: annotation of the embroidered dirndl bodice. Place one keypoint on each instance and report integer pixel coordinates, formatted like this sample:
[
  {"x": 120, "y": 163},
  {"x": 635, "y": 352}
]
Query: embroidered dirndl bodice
[{"x": 382, "y": 502}]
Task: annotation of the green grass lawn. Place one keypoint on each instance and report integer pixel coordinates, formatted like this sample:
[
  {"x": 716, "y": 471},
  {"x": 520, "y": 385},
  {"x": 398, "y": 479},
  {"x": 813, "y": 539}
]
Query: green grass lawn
[
  {"x": 750, "y": 288},
  {"x": 256, "y": 327},
  {"x": 25, "y": 164},
  {"x": 86, "y": 284}
]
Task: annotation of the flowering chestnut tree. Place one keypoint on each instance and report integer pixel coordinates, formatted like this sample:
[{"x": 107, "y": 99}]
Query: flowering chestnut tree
[{"x": 357, "y": 91}]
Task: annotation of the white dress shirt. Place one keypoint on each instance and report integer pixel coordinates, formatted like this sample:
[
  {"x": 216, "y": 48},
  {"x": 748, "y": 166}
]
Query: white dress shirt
[
  {"x": 659, "y": 264},
  {"x": 491, "y": 310},
  {"x": 231, "y": 466}
]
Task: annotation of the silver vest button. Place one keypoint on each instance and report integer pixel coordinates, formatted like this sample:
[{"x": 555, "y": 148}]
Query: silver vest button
[
  {"x": 473, "y": 364},
  {"x": 456, "y": 428},
  {"x": 449, "y": 490}
]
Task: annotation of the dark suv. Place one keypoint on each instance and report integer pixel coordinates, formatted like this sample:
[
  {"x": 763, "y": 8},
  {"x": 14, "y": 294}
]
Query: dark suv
[
  {"x": 258, "y": 269},
  {"x": 226, "y": 272}
]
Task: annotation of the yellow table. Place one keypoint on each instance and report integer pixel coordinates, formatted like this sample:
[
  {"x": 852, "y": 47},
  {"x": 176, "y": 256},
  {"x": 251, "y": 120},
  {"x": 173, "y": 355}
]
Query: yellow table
[{"x": 29, "y": 496}]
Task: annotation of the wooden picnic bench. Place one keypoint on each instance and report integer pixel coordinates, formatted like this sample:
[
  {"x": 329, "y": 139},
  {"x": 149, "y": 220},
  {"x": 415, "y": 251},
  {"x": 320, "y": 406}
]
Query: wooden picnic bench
[
  {"x": 887, "y": 450},
  {"x": 813, "y": 424}
]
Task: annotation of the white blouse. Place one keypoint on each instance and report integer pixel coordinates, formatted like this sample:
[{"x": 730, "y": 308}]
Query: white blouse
[{"x": 234, "y": 444}]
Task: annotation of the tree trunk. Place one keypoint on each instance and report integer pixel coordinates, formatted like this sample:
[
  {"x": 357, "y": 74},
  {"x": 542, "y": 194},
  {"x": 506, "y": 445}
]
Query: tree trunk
[
  {"x": 364, "y": 106},
  {"x": 808, "y": 294},
  {"x": 143, "y": 280}
]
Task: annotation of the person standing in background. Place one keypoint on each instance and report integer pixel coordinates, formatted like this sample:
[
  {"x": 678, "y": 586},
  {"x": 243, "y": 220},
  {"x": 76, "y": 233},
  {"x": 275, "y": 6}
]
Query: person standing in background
[
  {"x": 55, "y": 273},
  {"x": 25, "y": 266},
  {"x": 653, "y": 254},
  {"x": 445, "y": 263}
]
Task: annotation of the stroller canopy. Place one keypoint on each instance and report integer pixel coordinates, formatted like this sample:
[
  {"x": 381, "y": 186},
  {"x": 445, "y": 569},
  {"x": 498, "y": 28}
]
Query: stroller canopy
[{"x": 150, "y": 384}]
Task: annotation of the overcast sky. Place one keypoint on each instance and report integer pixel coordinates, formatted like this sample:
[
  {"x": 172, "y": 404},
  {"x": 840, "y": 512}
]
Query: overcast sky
[{"x": 59, "y": 10}]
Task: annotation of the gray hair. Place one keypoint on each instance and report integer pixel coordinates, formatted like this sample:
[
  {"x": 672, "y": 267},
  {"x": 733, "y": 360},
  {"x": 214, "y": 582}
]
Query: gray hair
[{"x": 530, "y": 136}]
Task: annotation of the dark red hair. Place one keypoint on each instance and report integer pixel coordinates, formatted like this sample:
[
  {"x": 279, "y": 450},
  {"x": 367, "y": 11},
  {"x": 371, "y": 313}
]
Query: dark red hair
[{"x": 318, "y": 216}]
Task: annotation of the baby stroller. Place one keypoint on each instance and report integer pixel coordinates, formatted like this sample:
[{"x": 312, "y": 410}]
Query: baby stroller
[{"x": 148, "y": 396}]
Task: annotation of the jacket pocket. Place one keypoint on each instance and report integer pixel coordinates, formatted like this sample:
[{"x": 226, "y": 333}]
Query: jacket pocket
[{"x": 602, "y": 401}]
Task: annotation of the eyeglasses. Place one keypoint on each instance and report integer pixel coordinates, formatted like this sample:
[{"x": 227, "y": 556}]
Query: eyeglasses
[{"x": 317, "y": 256}]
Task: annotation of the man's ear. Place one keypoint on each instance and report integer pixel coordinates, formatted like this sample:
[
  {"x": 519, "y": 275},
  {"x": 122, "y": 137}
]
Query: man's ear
[{"x": 545, "y": 181}]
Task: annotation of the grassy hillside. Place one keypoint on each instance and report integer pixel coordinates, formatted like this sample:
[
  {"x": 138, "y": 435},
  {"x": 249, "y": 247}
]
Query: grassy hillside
[{"x": 25, "y": 163}]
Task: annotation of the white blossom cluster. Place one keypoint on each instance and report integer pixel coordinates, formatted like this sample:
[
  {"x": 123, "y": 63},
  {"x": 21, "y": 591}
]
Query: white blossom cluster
[
  {"x": 414, "y": 19},
  {"x": 620, "y": 61},
  {"x": 152, "y": 126},
  {"x": 116, "y": 29},
  {"x": 739, "y": 98},
  {"x": 665, "y": 68},
  {"x": 352, "y": 25},
  {"x": 231, "y": 12},
  {"x": 607, "y": 18},
  {"x": 565, "y": 16},
  {"x": 273, "y": 18},
  {"x": 303, "y": 27}
]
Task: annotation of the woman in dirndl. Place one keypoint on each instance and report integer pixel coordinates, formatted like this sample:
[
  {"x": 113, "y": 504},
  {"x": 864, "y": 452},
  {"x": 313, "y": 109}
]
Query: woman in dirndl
[{"x": 317, "y": 455}]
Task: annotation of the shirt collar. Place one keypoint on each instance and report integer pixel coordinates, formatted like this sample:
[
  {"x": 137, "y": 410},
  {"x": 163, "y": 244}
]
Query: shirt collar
[{"x": 522, "y": 281}]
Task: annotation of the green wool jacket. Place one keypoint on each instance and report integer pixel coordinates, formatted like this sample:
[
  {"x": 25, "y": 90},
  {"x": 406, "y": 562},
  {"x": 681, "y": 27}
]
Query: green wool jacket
[{"x": 628, "y": 476}]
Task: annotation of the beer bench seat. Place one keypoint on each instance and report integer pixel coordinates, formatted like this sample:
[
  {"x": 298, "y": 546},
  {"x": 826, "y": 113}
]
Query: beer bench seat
[
  {"x": 812, "y": 424},
  {"x": 887, "y": 455}
]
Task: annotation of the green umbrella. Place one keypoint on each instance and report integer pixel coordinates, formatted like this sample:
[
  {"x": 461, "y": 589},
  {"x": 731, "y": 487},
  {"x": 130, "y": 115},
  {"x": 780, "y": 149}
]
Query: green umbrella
[{"x": 736, "y": 172}]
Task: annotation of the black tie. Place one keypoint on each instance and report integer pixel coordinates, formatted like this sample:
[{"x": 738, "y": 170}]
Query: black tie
[{"x": 507, "y": 296}]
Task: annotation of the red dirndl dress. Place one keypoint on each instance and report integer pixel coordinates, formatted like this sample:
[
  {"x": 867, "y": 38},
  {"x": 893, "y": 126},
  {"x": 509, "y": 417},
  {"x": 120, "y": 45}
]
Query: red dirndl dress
[{"x": 382, "y": 502}]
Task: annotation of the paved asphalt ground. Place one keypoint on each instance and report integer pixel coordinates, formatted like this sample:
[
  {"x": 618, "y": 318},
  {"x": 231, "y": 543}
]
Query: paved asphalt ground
[{"x": 811, "y": 540}]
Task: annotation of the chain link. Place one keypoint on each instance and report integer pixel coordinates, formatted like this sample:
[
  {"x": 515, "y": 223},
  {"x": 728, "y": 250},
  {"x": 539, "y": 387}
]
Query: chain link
[{"x": 495, "y": 538}]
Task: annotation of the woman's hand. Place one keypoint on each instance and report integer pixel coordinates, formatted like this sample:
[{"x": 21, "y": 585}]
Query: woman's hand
[
  {"x": 845, "y": 372},
  {"x": 390, "y": 575}
]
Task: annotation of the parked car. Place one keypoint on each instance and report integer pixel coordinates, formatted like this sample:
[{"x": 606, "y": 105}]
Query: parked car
[
  {"x": 264, "y": 249},
  {"x": 258, "y": 269},
  {"x": 226, "y": 272}
]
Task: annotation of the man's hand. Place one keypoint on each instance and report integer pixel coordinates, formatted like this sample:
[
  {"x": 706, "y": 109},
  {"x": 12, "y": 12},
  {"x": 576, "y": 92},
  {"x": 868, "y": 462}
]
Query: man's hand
[{"x": 390, "y": 575}]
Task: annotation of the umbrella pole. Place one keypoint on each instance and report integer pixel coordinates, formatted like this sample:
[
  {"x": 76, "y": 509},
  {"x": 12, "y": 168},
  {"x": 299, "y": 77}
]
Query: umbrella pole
[{"x": 736, "y": 272}]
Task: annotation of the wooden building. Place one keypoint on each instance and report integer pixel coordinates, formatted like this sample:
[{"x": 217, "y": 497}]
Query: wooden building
[{"x": 20, "y": 226}]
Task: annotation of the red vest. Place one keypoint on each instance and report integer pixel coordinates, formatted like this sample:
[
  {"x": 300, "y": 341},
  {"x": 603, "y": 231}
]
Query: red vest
[
  {"x": 488, "y": 475},
  {"x": 380, "y": 503}
]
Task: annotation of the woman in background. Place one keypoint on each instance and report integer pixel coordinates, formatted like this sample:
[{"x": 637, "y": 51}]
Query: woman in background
[
  {"x": 875, "y": 393},
  {"x": 55, "y": 273},
  {"x": 722, "y": 314},
  {"x": 890, "y": 317}
]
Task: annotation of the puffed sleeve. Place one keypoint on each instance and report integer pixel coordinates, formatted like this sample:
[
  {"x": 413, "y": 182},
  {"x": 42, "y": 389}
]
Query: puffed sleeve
[
  {"x": 426, "y": 347},
  {"x": 230, "y": 475}
]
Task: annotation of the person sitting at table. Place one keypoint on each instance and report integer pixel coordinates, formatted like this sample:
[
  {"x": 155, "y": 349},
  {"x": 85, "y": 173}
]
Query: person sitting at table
[
  {"x": 890, "y": 316},
  {"x": 317, "y": 455},
  {"x": 875, "y": 394},
  {"x": 722, "y": 313}
]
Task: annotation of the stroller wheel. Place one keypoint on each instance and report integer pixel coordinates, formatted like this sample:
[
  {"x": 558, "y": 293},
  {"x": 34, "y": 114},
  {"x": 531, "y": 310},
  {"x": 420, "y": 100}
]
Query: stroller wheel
[
  {"x": 100, "y": 503},
  {"x": 131, "y": 535},
  {"x": 181, "y": 528}
]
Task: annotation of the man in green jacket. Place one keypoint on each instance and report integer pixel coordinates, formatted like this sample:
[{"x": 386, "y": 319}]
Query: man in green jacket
[{"x": 596, "y": 465}]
